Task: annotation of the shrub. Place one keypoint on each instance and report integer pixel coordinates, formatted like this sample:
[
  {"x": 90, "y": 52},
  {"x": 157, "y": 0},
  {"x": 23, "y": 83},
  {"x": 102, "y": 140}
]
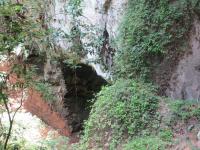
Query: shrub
[
  {"x": 145, "y": 143},
  {"x": 127, "y": 108},
  {"x": 45, "y": 89},
  {"x": 184, "y": 110},
  {"x": 166, "y": 134}
]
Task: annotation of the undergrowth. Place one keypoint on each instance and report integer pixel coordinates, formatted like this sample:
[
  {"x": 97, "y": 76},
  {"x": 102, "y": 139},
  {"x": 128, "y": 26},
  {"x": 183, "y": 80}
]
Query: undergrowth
[
  {"x": 184, "y": 110},
  {"x": 146, "y": 143},
  {"x": 127, "y": 108}
]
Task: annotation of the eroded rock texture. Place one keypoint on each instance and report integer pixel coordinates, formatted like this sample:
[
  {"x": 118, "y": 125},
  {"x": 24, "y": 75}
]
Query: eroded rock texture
[
  {"x": 185, "y": 81},
  {"x": 73, "y": 87},
  {"x": 101, "y": 15}
]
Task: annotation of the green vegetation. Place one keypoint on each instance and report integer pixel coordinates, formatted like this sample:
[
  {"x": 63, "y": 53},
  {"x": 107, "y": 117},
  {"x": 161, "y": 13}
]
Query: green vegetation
[
  {"x": 18, "y": 29},
  {"x": 166, "y": 135},
  {"x": 149, "y": 30},
  {"x": 125, "y": 113},
  {"x": 45, "y": 89},
  {"x": 74, "y": 8},
  {"x": 127, "y": 108},
  {"x": 146, "y": 143},
  {"x": 184, "y": 110}
]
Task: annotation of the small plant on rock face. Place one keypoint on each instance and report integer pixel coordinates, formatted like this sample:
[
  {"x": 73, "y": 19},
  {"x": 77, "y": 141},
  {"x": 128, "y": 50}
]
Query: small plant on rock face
[
  {"x": 45, "y": 90},
  {"x": 166, "y": 134}
]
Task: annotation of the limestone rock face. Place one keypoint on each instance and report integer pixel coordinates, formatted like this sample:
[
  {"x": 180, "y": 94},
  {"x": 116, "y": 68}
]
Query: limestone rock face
[
  {"x": 58, "y": 19},
  {"x": 53, "y": 75},
  {"x": 103, "y": 15},
  {"x": 74, "y": 86},
  {"x": 185, "y": 81}
]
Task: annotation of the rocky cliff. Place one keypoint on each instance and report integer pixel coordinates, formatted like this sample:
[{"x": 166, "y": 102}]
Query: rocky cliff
[
  {"x": 102, "y": 16},
  {"x": 185, "y": 81},
  {"x": 74, "y": 86},
  {"x": 178, "y": 75}
]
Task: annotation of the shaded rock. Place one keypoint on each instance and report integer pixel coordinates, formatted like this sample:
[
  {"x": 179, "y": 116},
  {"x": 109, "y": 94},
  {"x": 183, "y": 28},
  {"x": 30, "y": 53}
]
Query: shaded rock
[
  {"x": 81, "y": 83},
  {"x": 185, "y": 81},
  {"x": 53, "y": 75},
  {"x": 190, "y": 127},
  {"x": 100, "y": 15},
  {"x": 37, "y": 106},
  {"x": 198, "y": 135}
]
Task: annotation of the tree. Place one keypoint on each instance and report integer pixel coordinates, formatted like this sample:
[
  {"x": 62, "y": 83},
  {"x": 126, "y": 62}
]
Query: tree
[{"x": 18, "y": 31}]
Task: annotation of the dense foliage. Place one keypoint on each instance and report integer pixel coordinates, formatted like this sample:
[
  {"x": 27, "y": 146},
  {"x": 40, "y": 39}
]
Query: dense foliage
[
  {"x": 146, "y": 143},
  {"x": 127, "y": 108},
  {"x": 19, "y": 25},
  {"x": 149, "y": 30},
  {"x": 22, "y": 30},
  {"x": 184, "y": 110}
]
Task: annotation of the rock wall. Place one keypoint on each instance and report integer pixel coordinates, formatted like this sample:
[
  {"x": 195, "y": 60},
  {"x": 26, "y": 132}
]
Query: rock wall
[
  {"x": 100, "y": 13},
  {"x": 103, "y": 15},
  {"x": 73, "y": 90},
  {"x": 185, "y": 81},
  {"x": 57, "y": 18},
  {"x": 33, "y": 102},
  {"x": 53, "y": 75},
  {"x": 37, "y": 106}
]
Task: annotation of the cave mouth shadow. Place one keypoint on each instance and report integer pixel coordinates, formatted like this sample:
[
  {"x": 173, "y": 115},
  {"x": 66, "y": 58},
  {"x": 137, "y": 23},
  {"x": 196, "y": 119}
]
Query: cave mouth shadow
[{"x": 82, "y": 83}]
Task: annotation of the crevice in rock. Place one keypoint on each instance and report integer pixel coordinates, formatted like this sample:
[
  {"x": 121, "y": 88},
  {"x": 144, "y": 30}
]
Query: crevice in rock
[
  {"x": 82, "y": 82},
  {"x": 107, "y": 52},
  {"x": 106, "y": 5}
]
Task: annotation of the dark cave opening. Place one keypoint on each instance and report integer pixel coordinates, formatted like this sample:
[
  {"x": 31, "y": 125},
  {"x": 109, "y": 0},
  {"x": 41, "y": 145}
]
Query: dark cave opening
[{"x": 82, "y": 82}]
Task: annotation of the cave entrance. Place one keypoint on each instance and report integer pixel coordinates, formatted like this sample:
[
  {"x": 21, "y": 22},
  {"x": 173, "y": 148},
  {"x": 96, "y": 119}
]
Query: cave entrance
[{"x": 82, "y": 82}]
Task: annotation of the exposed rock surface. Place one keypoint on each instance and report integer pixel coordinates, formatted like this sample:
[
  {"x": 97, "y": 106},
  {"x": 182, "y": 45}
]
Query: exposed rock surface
[
  {"x": 104, "y": 15},
  {"x": 185, "y": 81},
  {"x": 72, "y": 88},
  {"x": 198, "y": 135},
  {"x": 101, "y": 13},
  {"x": 53, "y": 75},
  {"x": 32, "y": 102},
  {"x": 37, "y": 106},
  {"x": 184, "y": 139}
]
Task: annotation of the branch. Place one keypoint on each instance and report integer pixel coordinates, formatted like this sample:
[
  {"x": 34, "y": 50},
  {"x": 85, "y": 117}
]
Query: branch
[
  {"x": 11, "y": 120},
  {"x": 21, "y": 102},
  {"x": 7, "y": 110}
]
